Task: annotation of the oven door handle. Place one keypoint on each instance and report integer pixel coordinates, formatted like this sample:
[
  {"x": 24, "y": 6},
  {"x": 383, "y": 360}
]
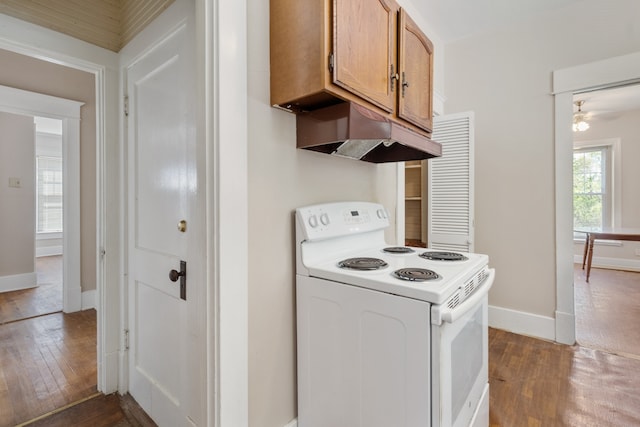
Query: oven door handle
[{"x": 442, "y": 313}]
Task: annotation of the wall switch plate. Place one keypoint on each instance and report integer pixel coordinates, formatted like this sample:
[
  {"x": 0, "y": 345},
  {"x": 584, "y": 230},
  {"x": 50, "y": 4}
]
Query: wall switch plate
[{"x": 14, "y": 182}]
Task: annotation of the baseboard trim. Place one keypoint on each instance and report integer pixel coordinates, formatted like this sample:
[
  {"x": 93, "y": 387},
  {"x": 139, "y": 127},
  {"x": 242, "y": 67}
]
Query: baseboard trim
[
  {"x": 292, "y": 423},
  {"x": 522, "y": 323},
  {"x": 565, "y": 328},
  {"x": 611, "y": 263},
  {"x": 72, "y": 299},
  {"x": 109, "y": 365},
  {"x": 89, "y": 299},
  {"x": 17, "y": 282}
]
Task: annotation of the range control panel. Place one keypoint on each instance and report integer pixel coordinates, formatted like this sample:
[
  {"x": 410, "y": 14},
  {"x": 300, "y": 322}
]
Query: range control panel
[{"x": 341, "y": 219}]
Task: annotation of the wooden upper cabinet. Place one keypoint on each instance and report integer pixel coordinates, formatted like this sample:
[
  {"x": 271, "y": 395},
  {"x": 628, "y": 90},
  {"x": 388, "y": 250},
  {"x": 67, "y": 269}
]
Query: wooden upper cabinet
[
  {"x": 364, "y": 49},
  {"x": 415, "y": 102},
  {"x": 328, "y": 51}
]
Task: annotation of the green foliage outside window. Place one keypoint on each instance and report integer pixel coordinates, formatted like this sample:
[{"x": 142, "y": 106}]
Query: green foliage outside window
[{"x": 588, "y": 189}]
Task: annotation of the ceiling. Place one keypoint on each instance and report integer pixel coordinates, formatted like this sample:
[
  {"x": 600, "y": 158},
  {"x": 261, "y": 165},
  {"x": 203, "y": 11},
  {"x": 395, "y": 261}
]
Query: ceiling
[
  {"x": 609, "y": 102},
  {"x": 458, "y": 19}
]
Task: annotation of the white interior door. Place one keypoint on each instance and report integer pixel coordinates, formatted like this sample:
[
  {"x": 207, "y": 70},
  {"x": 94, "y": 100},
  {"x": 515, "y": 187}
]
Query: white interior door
[
  {"x": 165, "y": 228},
  {"x": 451, "y": 184}
]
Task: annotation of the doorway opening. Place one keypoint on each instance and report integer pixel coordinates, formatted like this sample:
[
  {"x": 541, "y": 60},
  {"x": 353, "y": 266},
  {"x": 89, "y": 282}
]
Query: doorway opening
[
  {"x": 49, "y": 213},
  {"x": 605, "y": 182},
  {"x": 34, "y": 104},
  {"x": 609, "y": 73}
]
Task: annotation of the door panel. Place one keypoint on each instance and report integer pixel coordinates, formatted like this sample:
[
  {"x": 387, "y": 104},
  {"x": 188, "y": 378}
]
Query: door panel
[
  {"x": 364, "y": 37},
  {"x": 163, "y": 190},
  {"x": 416, "y": 71},
  {"x": 160, "y": 190}
]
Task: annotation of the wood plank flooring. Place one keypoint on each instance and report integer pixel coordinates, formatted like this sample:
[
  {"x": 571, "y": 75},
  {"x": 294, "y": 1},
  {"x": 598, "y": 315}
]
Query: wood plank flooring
[
  {"x": 46, "y": 362},
  {"x": 594, "y": 383},
  {"x": 535, "y": 383},
  {"x": 100, "y": 411},
  {"x": 44, "y": 299},
  {"x": 607, "y": 310}
]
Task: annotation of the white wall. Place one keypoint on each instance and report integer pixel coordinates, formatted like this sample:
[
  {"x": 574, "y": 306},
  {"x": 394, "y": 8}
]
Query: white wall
[
  {"x": 626, "y": 127},
  {"x": 282, "y": 178},
  {"x": 17, "y": 204},
  {"x": 505, "y": 77}
]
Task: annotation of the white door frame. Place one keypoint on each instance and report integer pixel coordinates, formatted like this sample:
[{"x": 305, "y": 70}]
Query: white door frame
[
  {"x": 41, "y": 43},
  {"x": 224, "y": 97},
  {"x": 602, "y": 74},
  {"x": 28, "y": 103}
]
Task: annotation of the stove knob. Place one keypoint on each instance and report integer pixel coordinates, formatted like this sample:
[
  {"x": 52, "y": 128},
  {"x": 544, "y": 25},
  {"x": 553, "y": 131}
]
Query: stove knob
[
  {"x": 324, "y": 219},
  {"x": 313, "y": 221}
]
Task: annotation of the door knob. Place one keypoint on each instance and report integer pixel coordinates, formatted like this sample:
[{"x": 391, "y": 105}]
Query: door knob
[
  {"x": 182, "y": 275},
  {"x": 175, "y": 275}
]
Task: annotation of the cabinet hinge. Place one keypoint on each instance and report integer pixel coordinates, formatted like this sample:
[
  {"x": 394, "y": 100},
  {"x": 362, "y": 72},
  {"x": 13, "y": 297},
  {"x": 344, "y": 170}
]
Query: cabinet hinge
[
  {"x": 331, "y": 62},
  {"x": 126, "y": 339},
  {"x": 126, "y": 105}
]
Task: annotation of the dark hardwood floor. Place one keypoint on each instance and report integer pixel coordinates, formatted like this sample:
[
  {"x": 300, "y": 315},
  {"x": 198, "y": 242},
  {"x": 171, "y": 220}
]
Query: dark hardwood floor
[
  {"x": 593, "y": 383},
  {"x": 99, "y": 411},
  {"x": 46, "y": 362},
  {"x": 539, "y": 383}
]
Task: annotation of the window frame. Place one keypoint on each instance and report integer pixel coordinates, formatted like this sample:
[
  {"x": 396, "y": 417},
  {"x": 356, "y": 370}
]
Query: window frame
[
  {"x": 613, "y": 178},
  {"x": 39, "y": 196}
]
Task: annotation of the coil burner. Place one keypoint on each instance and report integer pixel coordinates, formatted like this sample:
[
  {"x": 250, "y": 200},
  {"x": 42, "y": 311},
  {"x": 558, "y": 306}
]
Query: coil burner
[
  {"x": 443, "y": 256},
  {"x": 363, "y": 264},
  {"x": 398, "y": 250},
  {"x": 416, "y": 274}
]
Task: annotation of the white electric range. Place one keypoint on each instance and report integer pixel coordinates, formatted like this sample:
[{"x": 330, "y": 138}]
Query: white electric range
[{"x": 387, "y": 335}]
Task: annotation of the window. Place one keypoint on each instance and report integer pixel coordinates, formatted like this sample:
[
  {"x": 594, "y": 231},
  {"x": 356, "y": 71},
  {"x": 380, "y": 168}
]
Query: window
[
  {"x": 593, "y": 184},
  {"x": 49, "y": 194}
]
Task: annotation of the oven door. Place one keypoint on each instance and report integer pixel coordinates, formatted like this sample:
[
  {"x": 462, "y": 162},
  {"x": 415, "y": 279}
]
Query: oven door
[{"x": 460, "y": 360}]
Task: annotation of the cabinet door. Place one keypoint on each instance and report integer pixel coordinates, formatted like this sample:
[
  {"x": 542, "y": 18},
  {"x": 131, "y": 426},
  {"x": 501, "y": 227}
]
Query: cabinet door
[
  {"x": 364, "y": 46},
  {"x": 416, "y": 71}
]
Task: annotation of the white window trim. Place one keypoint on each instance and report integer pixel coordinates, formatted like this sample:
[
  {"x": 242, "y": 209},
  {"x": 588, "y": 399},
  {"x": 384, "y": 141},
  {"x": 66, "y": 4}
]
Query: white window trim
[
  {"x": 48, "y": 235},
  {"x": 39, "y": 157},
  {"x": 616, "y": 173}
]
